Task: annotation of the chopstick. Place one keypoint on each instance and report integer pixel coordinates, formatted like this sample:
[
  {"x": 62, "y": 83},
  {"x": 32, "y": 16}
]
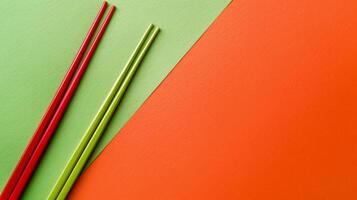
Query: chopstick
[
  {"x": 11, "y": 183},
  {"x": 89, "y": 132},
  {"x": 59, "y": 113},
  {"x": 135, "y": 60}
]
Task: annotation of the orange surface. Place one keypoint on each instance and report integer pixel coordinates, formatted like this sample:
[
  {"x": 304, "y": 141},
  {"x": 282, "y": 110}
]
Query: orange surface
[{"x": 264, "y": 106}]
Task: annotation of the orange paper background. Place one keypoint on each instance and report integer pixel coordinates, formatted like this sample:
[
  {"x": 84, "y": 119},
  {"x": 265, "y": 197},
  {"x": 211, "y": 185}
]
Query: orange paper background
[{"x": 262, "y": 107}]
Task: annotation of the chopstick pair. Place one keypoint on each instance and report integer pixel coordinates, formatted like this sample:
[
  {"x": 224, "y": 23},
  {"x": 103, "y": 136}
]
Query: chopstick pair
[
  {"x": 39, "y": 141},
  {"x": 102, "y": 118}
]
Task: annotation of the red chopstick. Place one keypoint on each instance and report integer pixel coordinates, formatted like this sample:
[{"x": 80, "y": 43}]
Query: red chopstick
[
  {"x": 26, "y": 175},
  {"x": 51, "y": 109}
]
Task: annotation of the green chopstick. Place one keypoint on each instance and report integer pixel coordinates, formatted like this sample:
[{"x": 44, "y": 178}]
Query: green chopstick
[
  {"x": 96, "y": 128},
  {"x": 84, "y": 141}
]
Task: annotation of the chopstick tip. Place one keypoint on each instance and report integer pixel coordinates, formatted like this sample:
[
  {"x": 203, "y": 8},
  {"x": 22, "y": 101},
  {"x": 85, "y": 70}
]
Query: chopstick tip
[
  {"x": 156, "y": 28},
  {"x": 113, "y": 8},
  {"x": 151, "y": 26}
]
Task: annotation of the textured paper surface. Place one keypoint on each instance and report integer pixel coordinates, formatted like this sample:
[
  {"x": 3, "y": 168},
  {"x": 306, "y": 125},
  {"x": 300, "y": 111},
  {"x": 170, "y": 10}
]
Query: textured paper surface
[
  {"x": 38, "y": 42},
  {"x": 262, "y": 107}
]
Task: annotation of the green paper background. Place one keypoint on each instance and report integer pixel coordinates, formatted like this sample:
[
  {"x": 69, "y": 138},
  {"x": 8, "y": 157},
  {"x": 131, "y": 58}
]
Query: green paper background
[{"x": 38, "y": 42}]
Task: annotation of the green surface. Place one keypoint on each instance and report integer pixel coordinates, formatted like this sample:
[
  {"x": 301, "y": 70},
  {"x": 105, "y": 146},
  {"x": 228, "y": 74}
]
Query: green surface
[{"x": 38, "y": 42}]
